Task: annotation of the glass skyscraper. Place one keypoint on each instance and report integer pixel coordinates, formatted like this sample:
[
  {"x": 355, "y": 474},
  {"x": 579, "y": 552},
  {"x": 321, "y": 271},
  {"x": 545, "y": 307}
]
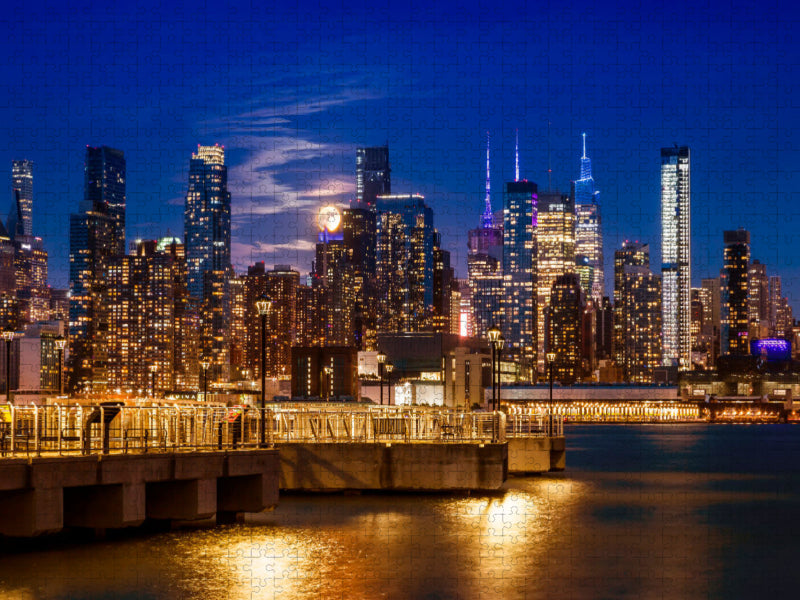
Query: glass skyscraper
[
  {"x": 588, "y": 233},
  {"x": 734, "y": 287},
  {"x": 676, "y": 257},
  {"x": 20, "y": 217},
  {"x": 207, "y": 216}
]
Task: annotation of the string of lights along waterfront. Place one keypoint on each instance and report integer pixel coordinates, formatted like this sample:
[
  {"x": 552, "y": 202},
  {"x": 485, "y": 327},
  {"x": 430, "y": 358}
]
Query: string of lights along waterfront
[{"x": 170, "y": 316}]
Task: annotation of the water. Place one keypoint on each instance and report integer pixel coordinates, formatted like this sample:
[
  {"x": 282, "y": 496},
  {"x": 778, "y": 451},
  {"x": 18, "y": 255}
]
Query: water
[{"x": 677, "y": 511}]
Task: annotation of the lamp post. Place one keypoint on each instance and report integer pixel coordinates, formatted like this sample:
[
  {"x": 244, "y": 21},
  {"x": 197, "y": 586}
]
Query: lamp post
[
  {"x": 61, "y": 343},
  {"x": 205, "y": 364},
  {"x": 494, "y": 336},
  {"x": 551, "y": 358},
  {"x": 500, "y": 343},
  {"x": 263, "y": 305},
  {"x": 381, "y": 361},
  {"x": 328, "y": 372},
  {"x": 153, "y": 370},
  {"x": 389, "y": 369},
  {"x": 8, "y": 336}
]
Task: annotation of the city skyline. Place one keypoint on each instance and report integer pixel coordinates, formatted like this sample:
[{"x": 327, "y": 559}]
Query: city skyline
[{"x": 290, "y": 133}]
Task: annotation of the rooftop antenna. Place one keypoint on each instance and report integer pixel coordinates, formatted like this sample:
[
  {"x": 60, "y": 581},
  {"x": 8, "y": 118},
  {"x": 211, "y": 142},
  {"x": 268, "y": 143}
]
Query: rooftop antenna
[
  {"x": 584, "y": 145},
  {"x": 516, "y": 156},
  {"x": 486, "y": 219}
]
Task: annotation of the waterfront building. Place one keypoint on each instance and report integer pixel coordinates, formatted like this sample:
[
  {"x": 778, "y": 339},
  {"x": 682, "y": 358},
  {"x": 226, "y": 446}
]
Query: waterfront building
[
  {"x": 96, "y": 234},
  {"x": 641, "y": 316},
  {"x": 7, "y": 254},
  {"x": 734, "y": 287},
  {"x": 281, "y": 285},
  {"x": 555, "y": 254},
  {"x": 148, "y": 325},
  {"x": 404, "y": 263},
  {"x": 631, "y": 254},
  {"x": 676, "y": 256},
  {"x": 588, "y": 229},
  {"x": 359, "y": 231},
  {"x": 332, "y": 276},
  {"x": 565, "y": 328},
  {"x": 238, "y": 337},
  {"x": 33, "y": 294},
  {"x": 712, "y": 319}
]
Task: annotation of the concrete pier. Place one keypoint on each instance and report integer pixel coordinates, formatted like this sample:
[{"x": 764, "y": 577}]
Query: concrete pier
[
  {"x": 44, "y": 495},
  {"x": 536, "y": 454},
  {"x": 420, "y": 466}
]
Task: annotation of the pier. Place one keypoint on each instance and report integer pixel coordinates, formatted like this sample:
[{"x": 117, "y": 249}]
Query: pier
[{"x": 111, "y": 466}]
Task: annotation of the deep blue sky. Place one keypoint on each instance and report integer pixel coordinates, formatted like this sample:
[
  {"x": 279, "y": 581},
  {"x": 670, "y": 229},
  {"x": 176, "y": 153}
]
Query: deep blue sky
[{"x": 291, "y": 92}]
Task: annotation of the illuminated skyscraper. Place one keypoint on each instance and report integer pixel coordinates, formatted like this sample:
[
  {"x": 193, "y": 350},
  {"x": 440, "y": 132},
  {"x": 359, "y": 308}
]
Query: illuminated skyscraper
[
  {"x": 555, "y": 239},
  {"x": 631, "y": 254},
  {"x": 564, "y": 328},
  {"x": 20, "y": 217},
  {"x": 207, "y": 229},
  {"x": 96, "y": 234},
  {"x": 485, "y": 267},
  {"x": 405, "y": 263},
  {"x": 780, "y": 312},
  {"x": 733, "y": 284},
  {"x": 520, "y": 214},
  {"x": 588, "y": 231},
  {"x": 641, "y": 293},
  {"x": 676, "y": 256},
  {"x": 207, "y": 216}
]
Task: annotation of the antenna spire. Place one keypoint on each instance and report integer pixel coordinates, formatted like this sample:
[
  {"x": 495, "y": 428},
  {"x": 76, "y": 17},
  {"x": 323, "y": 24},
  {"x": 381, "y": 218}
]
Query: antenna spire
[
  {"x": 584, "y": 145},
  {"x": 516, "y": 155},
  {"x": 486, "y": 218},
  {"x": 549, "y": 167}
]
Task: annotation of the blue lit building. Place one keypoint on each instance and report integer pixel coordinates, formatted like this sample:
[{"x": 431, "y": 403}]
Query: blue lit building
[{"x": 588, "y": 231}]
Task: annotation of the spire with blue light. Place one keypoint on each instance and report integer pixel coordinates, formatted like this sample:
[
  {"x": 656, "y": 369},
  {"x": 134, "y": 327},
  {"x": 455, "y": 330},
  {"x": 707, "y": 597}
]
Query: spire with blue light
[{"x": 486, "y": 218}]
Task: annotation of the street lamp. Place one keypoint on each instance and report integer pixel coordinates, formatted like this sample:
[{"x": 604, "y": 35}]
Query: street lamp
[
  {"x": 328, "y": 372},
  {"x": 494, "y": 337},
  {"x": 263, "y": 306},
  {"x": 381, "y": 362},
  {"x": 389, "y": 369},
  {"x": 61, "y": 343},
  {"x": 8, "y": 336},
  {"x": 153, "y": 370},
  {"x": 205, "y": 364},
  {"x": 551, "y": 358}
]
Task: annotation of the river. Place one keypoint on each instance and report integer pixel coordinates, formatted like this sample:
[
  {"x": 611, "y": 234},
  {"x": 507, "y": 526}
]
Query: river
[{"x": 642, "y": 511}]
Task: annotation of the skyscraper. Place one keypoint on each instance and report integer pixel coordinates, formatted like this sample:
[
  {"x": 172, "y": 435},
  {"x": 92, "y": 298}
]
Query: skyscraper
[
  {"x": 641, "y": 293},
  {"x": 632, "y": 254},
  {"x": 373, "y": 175},
  {"x": 105, "y": 189},
  {"x": 405, "y": 263},
  {"x": 555, "y": 241},
  {"x": 735, "y": 334},
  {"x": 565, "y": 327},
  {"x": 20, "y": 216},
  {"x": 758, "y": 300},
  {"x": 588, "y": 231},
  {"x": 485, "y": 266},
  {"x": 96, "y": 234},
  {"x": 676, "y": 256},
  {"x": 520, "y": 214},
  {"x": 207, "y": 229}
]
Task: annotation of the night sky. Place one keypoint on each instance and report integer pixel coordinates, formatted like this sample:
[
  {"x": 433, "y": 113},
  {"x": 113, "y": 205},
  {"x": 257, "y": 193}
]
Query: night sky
[{"x": 291, "y": 92}]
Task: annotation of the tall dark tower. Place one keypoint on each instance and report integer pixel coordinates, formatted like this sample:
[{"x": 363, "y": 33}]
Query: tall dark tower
[
  {"x": 96, "y": 234},
  {"x": 733, "y": 287},
  {"x": 373, "y": 177},
  {"x": 20, "y": 216},
  {"x": 104, "y": 178}
]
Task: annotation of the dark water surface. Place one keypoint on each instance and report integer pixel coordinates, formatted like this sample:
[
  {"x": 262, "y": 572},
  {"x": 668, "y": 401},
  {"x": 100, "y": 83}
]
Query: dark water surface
[{"x": 675, "y": 511}]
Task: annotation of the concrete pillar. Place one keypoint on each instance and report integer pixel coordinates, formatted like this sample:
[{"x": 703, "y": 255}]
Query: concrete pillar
[
  {"x": 29, "y": 512},
  {"x": 182, "y": 500},
  {"x": 104, "y": 506}
]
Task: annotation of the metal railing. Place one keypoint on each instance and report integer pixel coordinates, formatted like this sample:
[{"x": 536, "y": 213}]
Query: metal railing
[
  {"x": 525, "y": 423},
  {"x": 112, "y": 428}
]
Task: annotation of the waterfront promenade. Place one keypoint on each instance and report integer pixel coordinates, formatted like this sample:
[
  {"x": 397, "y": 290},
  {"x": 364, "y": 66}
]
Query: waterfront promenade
[{"x": 111, "y": 466}]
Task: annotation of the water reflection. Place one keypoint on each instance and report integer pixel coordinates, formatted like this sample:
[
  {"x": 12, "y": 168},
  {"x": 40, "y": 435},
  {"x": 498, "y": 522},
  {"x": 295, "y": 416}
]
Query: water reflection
[{"x": 684, "y": 524}]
